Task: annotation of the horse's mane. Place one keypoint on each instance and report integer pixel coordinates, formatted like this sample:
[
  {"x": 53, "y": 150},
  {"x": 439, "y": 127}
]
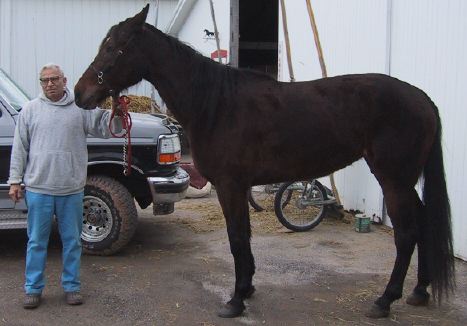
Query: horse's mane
[
  {"x": 184, "y": 48},
  {"x": 212, "y": 81}
]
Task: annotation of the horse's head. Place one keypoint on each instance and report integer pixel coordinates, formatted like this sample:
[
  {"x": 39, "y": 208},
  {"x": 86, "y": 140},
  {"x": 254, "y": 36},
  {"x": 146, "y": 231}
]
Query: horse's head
[{"x": 116, "y": 65}]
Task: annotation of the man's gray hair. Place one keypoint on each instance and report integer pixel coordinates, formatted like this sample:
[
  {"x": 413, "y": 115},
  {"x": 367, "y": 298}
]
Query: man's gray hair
[{"x": 52, "y": 66}]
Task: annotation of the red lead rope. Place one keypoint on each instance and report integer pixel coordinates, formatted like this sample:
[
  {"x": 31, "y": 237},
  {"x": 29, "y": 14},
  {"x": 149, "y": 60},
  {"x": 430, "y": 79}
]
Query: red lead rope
[{"x": 122, "y": 106}]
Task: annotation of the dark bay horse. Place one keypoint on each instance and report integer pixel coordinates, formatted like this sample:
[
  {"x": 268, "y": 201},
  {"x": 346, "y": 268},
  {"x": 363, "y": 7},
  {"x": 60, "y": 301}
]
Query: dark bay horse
[{"x": 246, "y": 128}]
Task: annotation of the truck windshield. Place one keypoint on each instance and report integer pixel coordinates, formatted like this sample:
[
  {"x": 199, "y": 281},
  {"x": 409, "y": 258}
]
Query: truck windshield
[{"x": 11, "y": 92}]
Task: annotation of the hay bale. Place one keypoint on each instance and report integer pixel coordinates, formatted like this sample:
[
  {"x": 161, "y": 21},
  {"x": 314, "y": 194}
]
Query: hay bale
[{"x": 139, "y": 104}]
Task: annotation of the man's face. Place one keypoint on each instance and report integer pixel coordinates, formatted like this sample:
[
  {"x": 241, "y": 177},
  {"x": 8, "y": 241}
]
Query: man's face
[{"x": 53, "y": 84}]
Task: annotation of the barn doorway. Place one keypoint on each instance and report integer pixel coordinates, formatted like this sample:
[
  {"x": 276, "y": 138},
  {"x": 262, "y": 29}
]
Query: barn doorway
[{"x": 258, "y": 35}]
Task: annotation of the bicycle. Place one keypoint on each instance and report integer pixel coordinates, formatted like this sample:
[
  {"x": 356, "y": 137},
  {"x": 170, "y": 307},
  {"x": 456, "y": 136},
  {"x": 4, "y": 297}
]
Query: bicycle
[
  {"x": 302, "y": 205},
  {"x": 262, "y": 197},
  {"x": 299, "y": 205}
]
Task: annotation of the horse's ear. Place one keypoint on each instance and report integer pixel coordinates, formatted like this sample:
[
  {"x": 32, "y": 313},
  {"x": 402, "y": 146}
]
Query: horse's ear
[{"x": 140, "y": 18}]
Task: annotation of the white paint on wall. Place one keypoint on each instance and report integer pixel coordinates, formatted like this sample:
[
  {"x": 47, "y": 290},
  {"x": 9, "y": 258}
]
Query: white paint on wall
[
  {"x": 200, "y": 19},
  {"x": 68, "y": 33},
  {"x": 423, "y": 42},
  {"x": 353, "y": 39}
]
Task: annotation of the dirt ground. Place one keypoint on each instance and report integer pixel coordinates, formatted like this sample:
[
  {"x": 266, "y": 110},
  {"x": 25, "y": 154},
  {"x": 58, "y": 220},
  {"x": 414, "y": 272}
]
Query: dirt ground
[{"x": 178, "y": 270}]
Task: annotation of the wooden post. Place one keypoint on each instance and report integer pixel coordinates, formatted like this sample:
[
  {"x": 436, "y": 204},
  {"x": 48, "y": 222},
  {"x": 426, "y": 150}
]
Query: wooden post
[
  {"x": 153, "y": 88},
  {"x": 324, "y": 74},
  {"x": 234, "y": 31},
  {"x": 216, "y": 33},
  {"x": 316, "y": 38},
  {"x": 287, "y": 43}
]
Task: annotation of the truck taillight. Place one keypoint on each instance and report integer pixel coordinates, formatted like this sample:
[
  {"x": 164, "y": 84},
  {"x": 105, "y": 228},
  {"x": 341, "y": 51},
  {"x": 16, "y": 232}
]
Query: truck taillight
[{"x": 169, "y": 150}]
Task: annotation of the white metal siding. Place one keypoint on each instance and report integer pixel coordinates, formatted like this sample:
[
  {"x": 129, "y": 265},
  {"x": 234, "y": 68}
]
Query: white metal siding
[
  {"x": 429, "y": 50},
  {"x": 192, "y": 31},
  {"x": 67, "y": 32},
  {"x": 353, "y": 38},
  {"x": 424, "y": 42}
]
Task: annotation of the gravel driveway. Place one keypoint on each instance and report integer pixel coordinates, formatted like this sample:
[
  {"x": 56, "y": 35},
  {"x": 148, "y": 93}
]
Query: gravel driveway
[{"x": 178, "y": 270}]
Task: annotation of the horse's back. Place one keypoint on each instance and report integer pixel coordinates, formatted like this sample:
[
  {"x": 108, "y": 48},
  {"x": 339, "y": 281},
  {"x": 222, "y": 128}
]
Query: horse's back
[
  {"x": 354, "y": 109},
  {"x": 394, "y": 123}
]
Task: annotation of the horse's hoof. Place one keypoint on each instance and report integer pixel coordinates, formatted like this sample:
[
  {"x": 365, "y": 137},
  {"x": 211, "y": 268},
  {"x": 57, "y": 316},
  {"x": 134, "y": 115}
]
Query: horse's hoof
[
  {"x": 230, "y": 310},
  {"x": 377, "y": 312},
  {"x": 250, "y": 292},
  {"x": 418, "y": 299}
]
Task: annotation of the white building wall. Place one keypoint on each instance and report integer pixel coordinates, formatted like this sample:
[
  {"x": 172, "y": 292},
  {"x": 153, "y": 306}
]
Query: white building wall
[
  {"x": 192, "y": 32},
  {"x": 67, "y": 32},
  {"x": 353, "y": 38},
  {"x": 423, "y": 42},
  {"x": 429, "y": 50}
]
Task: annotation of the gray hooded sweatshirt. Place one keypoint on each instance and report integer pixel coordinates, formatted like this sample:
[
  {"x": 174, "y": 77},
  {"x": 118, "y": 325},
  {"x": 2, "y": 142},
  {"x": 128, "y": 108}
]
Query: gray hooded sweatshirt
[{"x": 49, "y": 152}]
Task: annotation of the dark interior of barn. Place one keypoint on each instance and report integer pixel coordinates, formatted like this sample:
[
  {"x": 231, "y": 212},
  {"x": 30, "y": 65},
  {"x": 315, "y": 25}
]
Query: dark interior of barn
[{"x": 258, "y": 29}]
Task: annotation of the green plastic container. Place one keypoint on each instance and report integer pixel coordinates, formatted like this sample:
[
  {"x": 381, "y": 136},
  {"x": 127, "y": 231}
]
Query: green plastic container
[{"x": 362, "y": 223}]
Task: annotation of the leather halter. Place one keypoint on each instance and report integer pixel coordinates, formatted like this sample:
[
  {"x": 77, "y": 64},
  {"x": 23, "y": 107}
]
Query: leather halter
[{"x": 100, "y": 73}]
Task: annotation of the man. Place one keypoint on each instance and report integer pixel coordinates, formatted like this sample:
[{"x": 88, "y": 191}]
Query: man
[{"x": 50, "y": 157}]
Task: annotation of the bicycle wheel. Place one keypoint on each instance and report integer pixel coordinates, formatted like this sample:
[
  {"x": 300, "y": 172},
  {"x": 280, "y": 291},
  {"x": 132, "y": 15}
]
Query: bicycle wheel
[
  {"x": 299, "y": 205},
  {"x": 262, "y": 197}
]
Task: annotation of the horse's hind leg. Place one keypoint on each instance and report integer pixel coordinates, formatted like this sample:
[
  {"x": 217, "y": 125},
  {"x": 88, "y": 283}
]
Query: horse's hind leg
[
  {"x": 233, "y": 200},
  {"x": 420, "y": 295},
  {"x": 403, "y": 207}
]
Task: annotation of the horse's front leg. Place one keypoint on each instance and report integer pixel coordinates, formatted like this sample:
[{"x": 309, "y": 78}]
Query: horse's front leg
[{"x": 233, "y": 200}]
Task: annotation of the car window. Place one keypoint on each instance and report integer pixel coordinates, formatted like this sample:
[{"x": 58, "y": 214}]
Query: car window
[
  {"x": 6, "y": 124},
  {"x": 11, "y": 92}
]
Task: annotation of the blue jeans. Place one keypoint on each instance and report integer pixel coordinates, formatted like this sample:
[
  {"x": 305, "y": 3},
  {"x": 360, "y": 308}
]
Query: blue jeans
[{"x": 69, "y": 212}]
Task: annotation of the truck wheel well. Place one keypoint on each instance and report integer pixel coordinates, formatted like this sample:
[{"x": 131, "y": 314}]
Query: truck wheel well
[{"x": 136, "y": 183}]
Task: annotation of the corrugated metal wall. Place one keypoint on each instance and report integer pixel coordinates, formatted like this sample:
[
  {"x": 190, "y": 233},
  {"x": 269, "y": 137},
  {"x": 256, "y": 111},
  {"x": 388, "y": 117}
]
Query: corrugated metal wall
[
  {"x": 67, "y": 32},
  {"x": 429, "y": 50},
  {"x": 353, "y": 38},
  {"x": 200, "y": 19},
  {"x": 420, "y": 41},
  {"x": 423, "y": 42}
]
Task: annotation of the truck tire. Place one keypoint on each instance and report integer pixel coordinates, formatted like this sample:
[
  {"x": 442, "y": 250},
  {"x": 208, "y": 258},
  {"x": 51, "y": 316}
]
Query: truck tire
[{"x": 109, "y": 216}]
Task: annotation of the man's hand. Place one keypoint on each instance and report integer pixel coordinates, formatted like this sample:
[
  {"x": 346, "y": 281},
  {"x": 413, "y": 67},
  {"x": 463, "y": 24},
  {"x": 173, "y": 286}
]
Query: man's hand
[
  {"x": 15, "y": 193},
  {"x": 117, "y": 107}
]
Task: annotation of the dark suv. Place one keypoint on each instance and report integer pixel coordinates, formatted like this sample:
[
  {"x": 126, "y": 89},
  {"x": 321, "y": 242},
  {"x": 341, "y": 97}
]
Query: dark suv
[{"x": 110, "y": 215}]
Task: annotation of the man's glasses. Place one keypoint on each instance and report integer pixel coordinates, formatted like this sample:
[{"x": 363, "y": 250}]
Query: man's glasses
[{"x": 45, "y": 81}]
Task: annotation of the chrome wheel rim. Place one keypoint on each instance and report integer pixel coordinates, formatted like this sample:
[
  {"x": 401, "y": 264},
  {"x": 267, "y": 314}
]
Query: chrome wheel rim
[{"x": 97, "y": 219}]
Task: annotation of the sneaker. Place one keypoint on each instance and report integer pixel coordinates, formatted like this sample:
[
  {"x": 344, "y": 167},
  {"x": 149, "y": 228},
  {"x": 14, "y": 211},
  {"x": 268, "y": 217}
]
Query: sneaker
[
  {"x": 73, "y": 298},
  {"x": 32, "y": 301}
]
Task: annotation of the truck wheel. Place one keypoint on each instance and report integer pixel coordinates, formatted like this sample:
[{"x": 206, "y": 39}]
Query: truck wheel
[{"x": 109, "y": 216}]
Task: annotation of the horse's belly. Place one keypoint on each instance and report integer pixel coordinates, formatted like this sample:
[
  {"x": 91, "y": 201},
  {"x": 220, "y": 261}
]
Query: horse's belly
[{"x": 299, "y": 163}]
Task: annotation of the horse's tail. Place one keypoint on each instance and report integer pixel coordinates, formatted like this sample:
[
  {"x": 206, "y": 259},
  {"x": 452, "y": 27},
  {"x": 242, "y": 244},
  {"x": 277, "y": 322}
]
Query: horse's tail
[{"x": 437, "y": 228}]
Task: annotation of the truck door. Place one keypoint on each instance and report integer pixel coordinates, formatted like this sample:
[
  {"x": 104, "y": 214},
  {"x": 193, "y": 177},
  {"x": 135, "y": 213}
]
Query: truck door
[{"x": 7, "y": 128}]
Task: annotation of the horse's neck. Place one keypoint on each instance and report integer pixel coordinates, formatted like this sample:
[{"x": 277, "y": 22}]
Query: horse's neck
[{"x": 171, "y": 73}]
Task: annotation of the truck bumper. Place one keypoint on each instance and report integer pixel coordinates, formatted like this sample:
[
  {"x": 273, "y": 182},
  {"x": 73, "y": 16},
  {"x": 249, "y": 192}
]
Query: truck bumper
[{"x": 169, "y": 189}]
